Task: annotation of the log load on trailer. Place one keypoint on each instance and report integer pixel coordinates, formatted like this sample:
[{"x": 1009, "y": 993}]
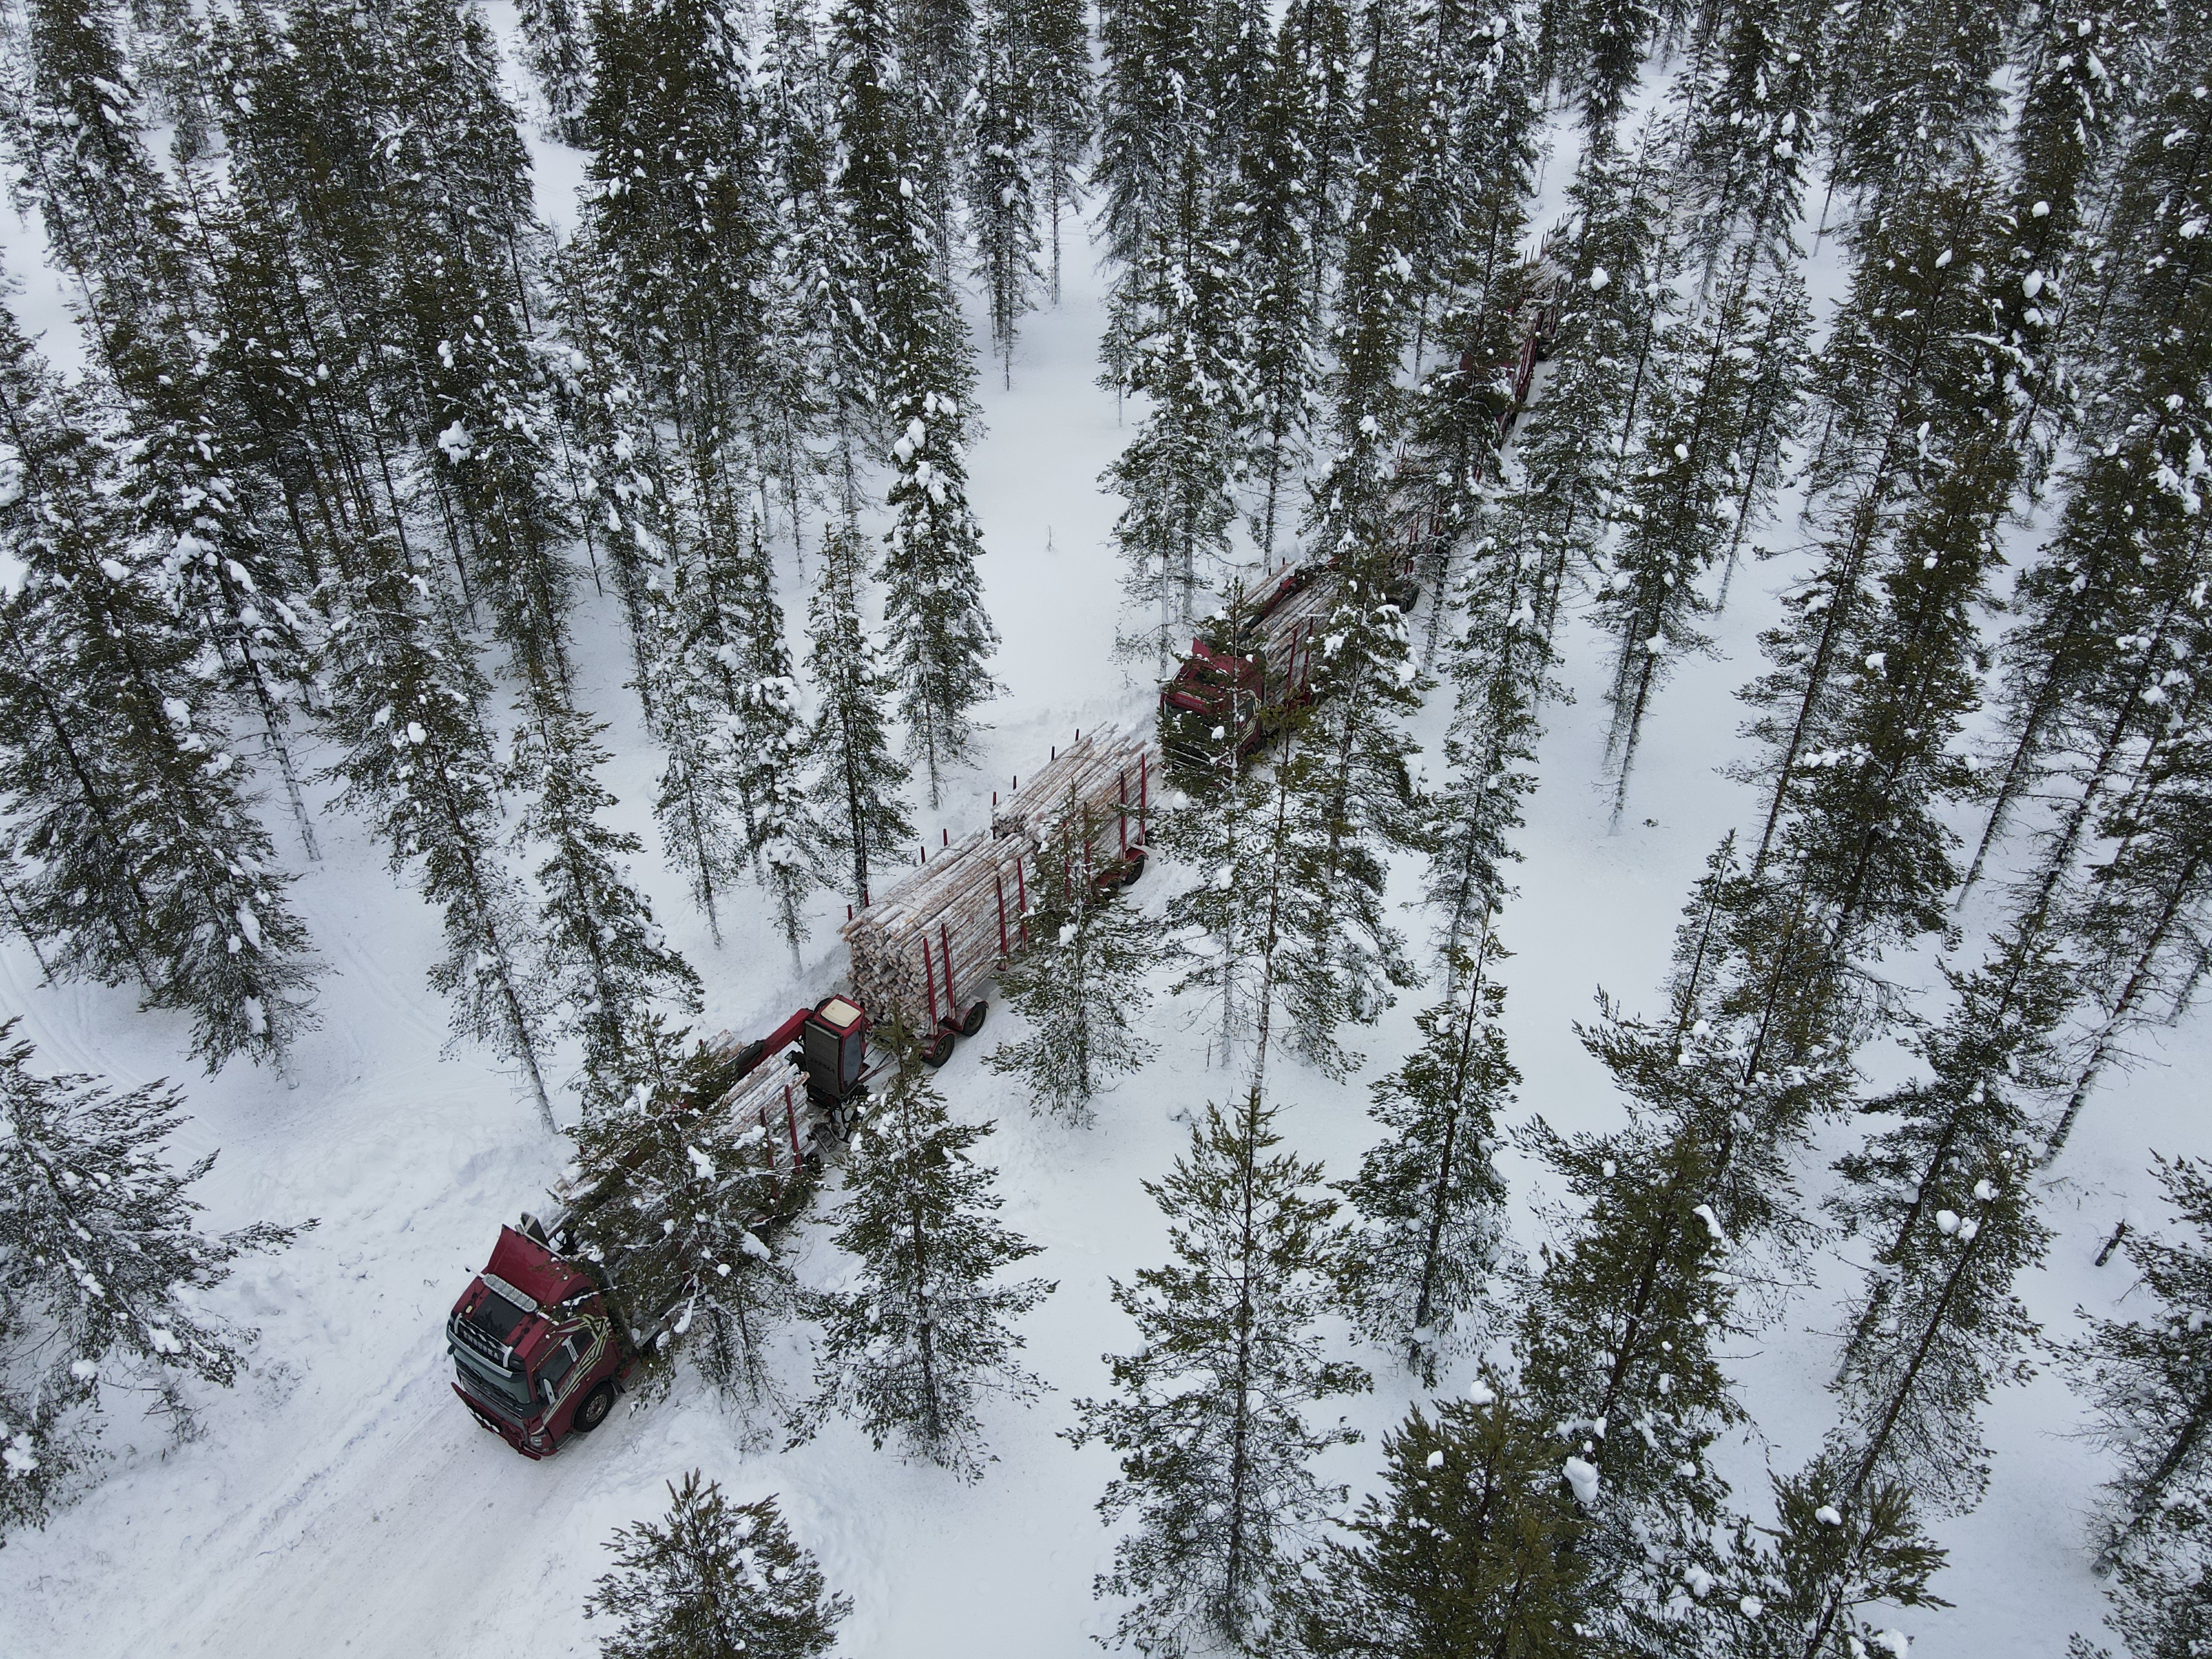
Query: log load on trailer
[
  {"x": 924, "y": 952},
  {"x": 543, "y": 1339}
]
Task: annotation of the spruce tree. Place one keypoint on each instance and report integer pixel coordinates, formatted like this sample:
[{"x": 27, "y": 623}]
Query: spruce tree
[
  {"x": 2141, "y": 922},
  {"x": 139, "y": 249},
  {"x": 1366, "y": 690},
  {"x": 1910, "y": 97},
  {"x": 1471, "y": 1547},
  {"x": 103, "y": 1265},
  {"x": 768, "y": 733},
  {"x": 1477, "y": 285},
  {"x": 2072, "y": 109},
  {"x": 405, "y": 703},
  {"x": 713, "y": 1581},
  {"x": 923, "y": 384},
  {"x": 1721, "y": 409},
  {"x": 1939, "y": 1331},
  {"x": 1185, "y": 354},
  {"x": 144, "y": 857},
  {"x": 1208, "y": 1414},
  {"x": 76, "y": 132},
  {"x": 857, "y": 779},
  {"x": 1619, "y": 1342},
  {"x": 461, "y": 222},
  {"x": 1270, "y": 932},
  {"x": 208, "y": 514},
  {"x": 1993, "y": 1055},
  {"x": 1560, "y": 508},
  {"x": 2148, "y": 1381},
  {"x": 1317, "y": 49},
  {"x": 1282, "y": 379},
  {"x": 614, "y": 972},
  {"x": 1149, "y": 130},
  {"x": 681, "y": 1196},
  {"x": 1078, "y": 976},
  {"x": 1002, "y": 139},
  {"x": 1911, "y": 386},
  {"x": 709, "y": 819},
  {"x": 1613, "y": 37},
  {"x": 1499, "y": 665},
  {"x": 2071, "y": 700},
  {"x": 556, "y": 50},
  {"x": 1055, "y": 62},
  {"x": 926, "y": 1328},
  {"x": 1754, "y": 1046},
  {"x": 1376, "y": 296},
  {"x": 1753, "y": 135},
  {"x": 1432, "y": 1204},
  {"x": 679, "y": 223},
  {"x": 1800, "y": 1589},
  {"x": 2162, "y": 1607}
]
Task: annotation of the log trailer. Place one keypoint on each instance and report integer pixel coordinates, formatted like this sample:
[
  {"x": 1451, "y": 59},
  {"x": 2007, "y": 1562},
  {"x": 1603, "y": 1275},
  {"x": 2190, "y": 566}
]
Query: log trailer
[
  {"x": 924, "y": 953},
  {"x": 542, "y": 1340}
]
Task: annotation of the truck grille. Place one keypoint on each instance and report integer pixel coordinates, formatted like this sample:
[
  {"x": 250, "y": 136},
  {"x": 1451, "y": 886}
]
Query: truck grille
[{"x": 477, "y": 1341}]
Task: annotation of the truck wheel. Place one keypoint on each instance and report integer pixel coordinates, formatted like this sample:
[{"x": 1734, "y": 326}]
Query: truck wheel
[
  {"x": 938, "y": 1049},
  {"x": 975, "y": 1016},
  {"x": 593, "y": 1412}
]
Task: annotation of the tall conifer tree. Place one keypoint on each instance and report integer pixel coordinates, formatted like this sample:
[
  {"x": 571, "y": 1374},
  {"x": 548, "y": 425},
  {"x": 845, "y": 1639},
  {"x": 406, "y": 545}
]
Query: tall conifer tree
[{"x": 1208, "y": 1413}]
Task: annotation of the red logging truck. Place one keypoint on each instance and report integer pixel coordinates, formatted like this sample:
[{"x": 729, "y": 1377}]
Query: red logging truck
[
  {"x": 542, "y": 1340},
  {"x": 1258, "y": 664}
]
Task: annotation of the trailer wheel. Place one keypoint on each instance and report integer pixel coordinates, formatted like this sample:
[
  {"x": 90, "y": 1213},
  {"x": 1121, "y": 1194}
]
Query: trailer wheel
[
  {"x": 974, "y": 1020},
  {"x": 1133, "y": 867},
  {"x": 593, "y": 1412},
  {"x": 938, "y": 1049}
]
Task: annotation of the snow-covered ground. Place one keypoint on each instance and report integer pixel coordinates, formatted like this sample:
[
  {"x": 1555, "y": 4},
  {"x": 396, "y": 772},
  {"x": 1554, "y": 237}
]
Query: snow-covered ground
[{"x": 341, "y": 1500}]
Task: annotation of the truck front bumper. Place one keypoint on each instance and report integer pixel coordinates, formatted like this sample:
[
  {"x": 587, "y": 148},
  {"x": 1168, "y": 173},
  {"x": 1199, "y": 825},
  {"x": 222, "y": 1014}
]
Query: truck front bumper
[{"x": 530, "y": 1444}]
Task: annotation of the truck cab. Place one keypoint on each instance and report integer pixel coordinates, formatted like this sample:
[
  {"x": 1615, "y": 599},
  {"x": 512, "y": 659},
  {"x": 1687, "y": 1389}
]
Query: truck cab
[
  {"x": 1213, "y": 691},
  {"x": 538, "y": 1354}
]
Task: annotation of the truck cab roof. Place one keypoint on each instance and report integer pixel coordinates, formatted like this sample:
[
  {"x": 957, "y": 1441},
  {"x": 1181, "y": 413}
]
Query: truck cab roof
[{"x": 512, "y": 1301}]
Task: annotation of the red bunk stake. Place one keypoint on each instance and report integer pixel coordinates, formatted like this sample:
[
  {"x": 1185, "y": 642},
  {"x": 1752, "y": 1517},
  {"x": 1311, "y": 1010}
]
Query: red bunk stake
[
  {"x": 929, "y": 978},
  {"x": 1144, "y": 793},
  {"x": 1122, "y": 819},
  {"x": 790, "y": 1122},
  {"x": 1022, "y": 898},
  {"x": 947, "y": 834},
  {"x": 945, "y": 957},
  {"x": 1000, "y": 882}
]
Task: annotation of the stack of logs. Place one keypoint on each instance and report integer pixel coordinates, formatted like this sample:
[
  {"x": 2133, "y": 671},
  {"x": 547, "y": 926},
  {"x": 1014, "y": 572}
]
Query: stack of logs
[
  {"x": 773, "y": 1095},
  {"x": 922, "y": 951},
  {"x": 1287, "y": 631}
]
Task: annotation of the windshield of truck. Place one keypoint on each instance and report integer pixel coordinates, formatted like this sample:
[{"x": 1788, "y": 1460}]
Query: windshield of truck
[{"x": 502, "y": 1387}]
